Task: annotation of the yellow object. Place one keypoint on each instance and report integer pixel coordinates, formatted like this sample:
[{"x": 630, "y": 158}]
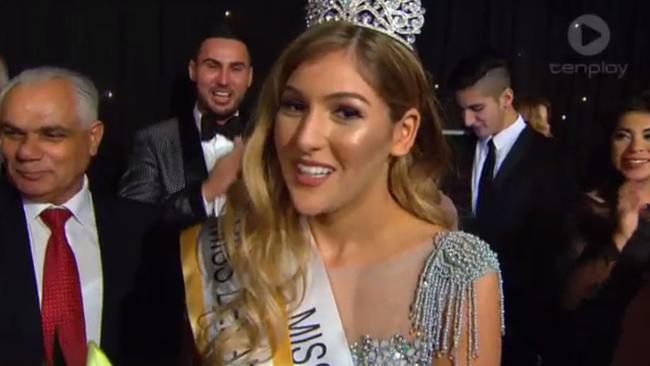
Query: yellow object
[
  {"x": 283, "y": 356},
  {"x": 96, "y": 357},
  {"x": 194, "y": 285}
]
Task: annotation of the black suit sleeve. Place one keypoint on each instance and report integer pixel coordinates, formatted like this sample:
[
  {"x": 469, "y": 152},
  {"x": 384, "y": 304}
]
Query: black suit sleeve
[
  {"x": 143, "y": 181},
  {"x": 157, "y": 306},
  {"x": 185, "y": 207}
]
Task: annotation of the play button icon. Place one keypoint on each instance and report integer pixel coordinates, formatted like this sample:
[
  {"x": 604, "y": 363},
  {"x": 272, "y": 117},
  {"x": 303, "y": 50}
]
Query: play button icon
[{"x": 588, "y": 34}]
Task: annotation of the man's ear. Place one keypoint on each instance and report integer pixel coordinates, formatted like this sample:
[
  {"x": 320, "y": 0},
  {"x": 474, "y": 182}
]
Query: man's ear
[
  {"x": 405, "y": 131},
  {"x": 507, "y": 98},
  {"x": 191, "y": 70},
  {"x": 96, "y": 132}
]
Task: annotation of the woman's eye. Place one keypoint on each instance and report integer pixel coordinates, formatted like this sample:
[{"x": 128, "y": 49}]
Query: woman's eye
[
  {"x": 618, "y": 136},
  {"x": 347, "y": 113},
  {"x": 292, "y": 106}
]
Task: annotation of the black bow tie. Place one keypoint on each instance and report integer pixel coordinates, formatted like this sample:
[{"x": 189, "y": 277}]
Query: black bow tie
[{"x": 209, "y": 127}]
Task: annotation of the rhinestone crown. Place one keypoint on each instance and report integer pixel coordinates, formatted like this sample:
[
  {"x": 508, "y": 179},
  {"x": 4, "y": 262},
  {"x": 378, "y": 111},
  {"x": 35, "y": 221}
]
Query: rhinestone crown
[{"x": 399, "y": 19}]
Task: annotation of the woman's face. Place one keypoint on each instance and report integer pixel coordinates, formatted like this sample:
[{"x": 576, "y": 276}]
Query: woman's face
[
  {"x": 543, "y": 114},
  {"x": 631, "y": 146},
  {"x": 333, "y": 136},
  {"x": 544, "y": 125}
]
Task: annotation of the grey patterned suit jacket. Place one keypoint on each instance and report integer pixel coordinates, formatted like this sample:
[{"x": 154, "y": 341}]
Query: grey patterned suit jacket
[{"x": 167, "y": 167}]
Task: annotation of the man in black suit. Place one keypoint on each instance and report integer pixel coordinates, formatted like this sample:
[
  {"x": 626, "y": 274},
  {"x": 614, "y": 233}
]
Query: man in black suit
[
  {"x": 187, "y": 163},
  {"x": 75, "y": 266},
  {"x": 509, "y": 194},
  {"x": 504, "y": 144}
]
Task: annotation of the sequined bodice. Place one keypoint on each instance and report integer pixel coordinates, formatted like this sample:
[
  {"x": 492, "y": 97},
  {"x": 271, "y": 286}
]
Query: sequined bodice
[
  {"x": 445, "y": 284},
  {"x": 397, "y": 351}
]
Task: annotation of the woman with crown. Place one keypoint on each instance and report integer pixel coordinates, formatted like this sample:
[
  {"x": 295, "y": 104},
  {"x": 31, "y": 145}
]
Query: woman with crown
[{"x": 334, "y": 248}]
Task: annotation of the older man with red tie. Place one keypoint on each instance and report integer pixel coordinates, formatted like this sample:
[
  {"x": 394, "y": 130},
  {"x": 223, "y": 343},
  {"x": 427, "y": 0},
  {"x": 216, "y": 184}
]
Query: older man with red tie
[{"x": 75, "y": 266}]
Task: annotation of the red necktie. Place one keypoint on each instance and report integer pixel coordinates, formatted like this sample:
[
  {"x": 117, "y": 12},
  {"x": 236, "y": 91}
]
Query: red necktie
[{"x": 62, "y": 307}]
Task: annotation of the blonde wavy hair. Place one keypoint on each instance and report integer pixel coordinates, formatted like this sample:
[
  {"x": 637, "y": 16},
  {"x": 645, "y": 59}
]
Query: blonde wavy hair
[{"x": 266, "y": 244}]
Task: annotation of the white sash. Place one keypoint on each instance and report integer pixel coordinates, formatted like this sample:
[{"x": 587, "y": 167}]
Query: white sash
[
  {"x": 315, "y": 329},
  {"x": 316, "y": 334}
]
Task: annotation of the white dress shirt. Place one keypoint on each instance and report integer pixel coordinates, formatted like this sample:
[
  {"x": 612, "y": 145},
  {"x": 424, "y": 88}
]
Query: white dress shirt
[
  {"x": 503, "y": 142},
  {"x": 213, "y": 149},
  {"x": 81, "y": 232}
]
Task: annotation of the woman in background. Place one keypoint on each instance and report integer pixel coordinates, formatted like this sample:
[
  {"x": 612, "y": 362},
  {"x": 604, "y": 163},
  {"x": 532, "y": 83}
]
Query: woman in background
[
  {"x": 537, "y": 112},
  {"x": 609, "y": 249}
]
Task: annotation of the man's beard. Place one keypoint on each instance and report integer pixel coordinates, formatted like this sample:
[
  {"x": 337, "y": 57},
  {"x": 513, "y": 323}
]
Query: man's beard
[
  {"x": 225, "y": 114},
  {"x": 221, "y": 113}
]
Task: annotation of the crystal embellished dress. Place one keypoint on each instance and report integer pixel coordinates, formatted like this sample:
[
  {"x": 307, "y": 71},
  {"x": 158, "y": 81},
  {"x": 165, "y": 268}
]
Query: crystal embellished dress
[{"x": 396, "y": 312}]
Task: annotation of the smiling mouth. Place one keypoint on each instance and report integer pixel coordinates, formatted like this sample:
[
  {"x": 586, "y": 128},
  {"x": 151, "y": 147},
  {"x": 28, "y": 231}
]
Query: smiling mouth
[
  {"x": 312, "y": 175},
  {"x": 314, "y": 171},
  {"x": 30, "y": 175},
  {"x": 634, "y": 163},
  {"x": 221, "y": 94}
]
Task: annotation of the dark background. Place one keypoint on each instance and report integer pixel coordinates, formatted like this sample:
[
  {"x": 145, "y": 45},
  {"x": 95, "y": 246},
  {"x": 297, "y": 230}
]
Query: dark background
[{"x": 138, "y": 51}]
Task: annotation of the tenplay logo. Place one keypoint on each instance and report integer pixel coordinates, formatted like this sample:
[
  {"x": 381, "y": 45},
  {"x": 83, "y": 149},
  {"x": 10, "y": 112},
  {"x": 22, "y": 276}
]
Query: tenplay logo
[{"x": 589, "y": 35}]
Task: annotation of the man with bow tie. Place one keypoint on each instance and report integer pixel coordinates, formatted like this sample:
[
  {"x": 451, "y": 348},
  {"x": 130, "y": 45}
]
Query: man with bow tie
[{"x": 187, "y": 163}]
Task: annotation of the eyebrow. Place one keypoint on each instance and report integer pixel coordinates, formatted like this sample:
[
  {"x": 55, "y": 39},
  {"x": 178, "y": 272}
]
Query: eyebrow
[
  {"x": 7, "y": 124},
  {"x": 337, "y": 95},
  {"x": 215, "y": 61},
  {"x": 53, "y": 127},
  {"x": 626, "y": 129}
]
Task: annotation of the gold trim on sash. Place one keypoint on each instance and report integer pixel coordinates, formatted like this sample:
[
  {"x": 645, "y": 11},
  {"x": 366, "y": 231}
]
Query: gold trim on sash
[
  {"x": 193, "y": 279},
  {"x": 283, "y": 356},
  {"x": 194, "y": 297}
]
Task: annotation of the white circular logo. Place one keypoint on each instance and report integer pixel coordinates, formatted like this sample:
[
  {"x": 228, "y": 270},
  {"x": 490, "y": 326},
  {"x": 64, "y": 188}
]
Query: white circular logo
[{"x": 588, "y": 34}]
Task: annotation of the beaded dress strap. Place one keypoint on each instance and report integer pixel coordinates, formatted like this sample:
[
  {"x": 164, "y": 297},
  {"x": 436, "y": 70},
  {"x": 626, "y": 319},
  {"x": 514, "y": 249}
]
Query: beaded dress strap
[{"x": 446, "y": 293}]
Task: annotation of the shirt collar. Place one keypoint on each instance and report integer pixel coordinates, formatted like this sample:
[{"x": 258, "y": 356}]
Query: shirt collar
[
  {"x": 80, "y": 205},
  {"x": 509, "y": 134}
]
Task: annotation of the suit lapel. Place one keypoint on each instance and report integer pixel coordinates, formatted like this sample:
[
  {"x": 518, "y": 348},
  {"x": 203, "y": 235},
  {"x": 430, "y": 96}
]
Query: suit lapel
[
  {"x": 108, "y": 233},
  {"x": 19, "y": 282},
  {"x": 193, "y": 160},
  {"x": 468, "y": 168},
  {"x": 516, "y": 154},
  {"x": 459, "y": 186}
]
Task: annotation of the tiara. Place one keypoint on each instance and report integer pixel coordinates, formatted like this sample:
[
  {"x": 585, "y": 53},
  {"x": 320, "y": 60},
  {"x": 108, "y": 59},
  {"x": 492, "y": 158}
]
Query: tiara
[{"x": 399, "y": 19}]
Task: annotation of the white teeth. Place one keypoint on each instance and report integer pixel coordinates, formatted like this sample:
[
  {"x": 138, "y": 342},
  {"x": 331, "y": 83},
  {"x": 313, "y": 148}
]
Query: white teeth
[
  {"x": 221, "y": 94},
  {"x": 637, "y": 161},
  {"x": 314, "y": 170}
]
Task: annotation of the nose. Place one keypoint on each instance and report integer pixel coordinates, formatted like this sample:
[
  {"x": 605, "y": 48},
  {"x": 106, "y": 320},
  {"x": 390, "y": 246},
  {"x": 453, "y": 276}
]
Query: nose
[
  {"x": 468, "y": 118},
  {"x": 637, "y": 143},
  {"x": 222, "y": 77},
  {"x": 28, "y": 149},
  {"x": 312, "y": 132}
]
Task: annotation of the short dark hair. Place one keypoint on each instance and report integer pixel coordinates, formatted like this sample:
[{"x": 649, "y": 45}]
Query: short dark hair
[
  {"x": 219, "y": 30},
  {"x": 638, "y": 103},
  {"x": 472, "y": 69}
]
